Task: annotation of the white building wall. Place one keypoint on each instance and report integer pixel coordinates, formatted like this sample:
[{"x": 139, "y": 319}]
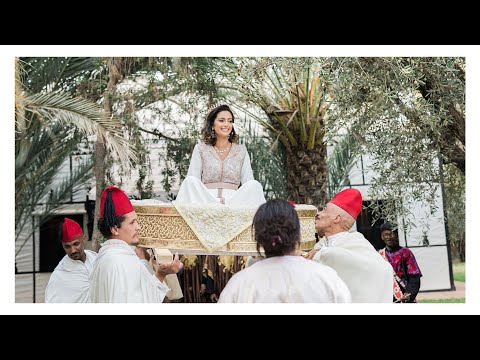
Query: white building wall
[
  {"x": 433, "y": 262},
  {"x": 433, "y": 259}
]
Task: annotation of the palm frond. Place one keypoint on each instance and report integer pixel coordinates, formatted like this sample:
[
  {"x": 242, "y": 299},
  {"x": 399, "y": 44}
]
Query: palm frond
[
  {"x": 84, "y": 115},
  {"x": 57, "y": 73},
  {"x": 66, "y": 187},
  {"x": 340, "y": 163},
  {"x": 34, "y": 179}
]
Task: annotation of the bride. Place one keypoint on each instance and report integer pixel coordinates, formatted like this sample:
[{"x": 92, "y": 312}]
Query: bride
[
  {"x": 220, "y": 173},
  {"x": 220, "y": 170}
]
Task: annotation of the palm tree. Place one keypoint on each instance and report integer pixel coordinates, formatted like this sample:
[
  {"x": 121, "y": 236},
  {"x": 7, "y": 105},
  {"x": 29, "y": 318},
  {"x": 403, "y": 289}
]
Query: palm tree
[
  {"x": 294, "y": 94},
  {"x": 49, "y": 125}
]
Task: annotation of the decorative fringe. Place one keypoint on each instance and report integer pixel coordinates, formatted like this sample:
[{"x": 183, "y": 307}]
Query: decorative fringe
[
  {"x": 60, "y": 231},
  {"x": 207, "y": 265},
  {"x": 109, "y": 216}
]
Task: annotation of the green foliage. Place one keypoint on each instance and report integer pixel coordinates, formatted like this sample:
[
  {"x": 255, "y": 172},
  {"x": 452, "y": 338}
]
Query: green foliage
[
  {"x": 405, "y": 112},
  {"x": 455, "y": 206},
  {"x": 176, "y": 160},
  {"x": 42, "y": 145},
  {"x": 443, "y": 301},
  {"x": 160, "y": 93},
  {"x": 340, "y": 162},
  {"x": 50, "y": 123},
  {"x": 268, "y": 165},
  {"x": 294, "y": 97},
  {"x": 459, "y": 271},
  {"x": 58, "y": 74},
  {"x": 145, "y": 188},
  {"x": 294, "y": 93},
  {"x": 459, "y": 276}
]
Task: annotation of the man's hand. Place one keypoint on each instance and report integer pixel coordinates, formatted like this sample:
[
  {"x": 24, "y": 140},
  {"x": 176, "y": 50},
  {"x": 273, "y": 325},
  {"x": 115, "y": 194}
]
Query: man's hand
[
  {"x": 405, "y": 297},
  {"x": 311, "y": 254},
  {"x": 300, "y": 253},
  {"x": 172, "y": 267},
  {"x": 213, "y": 297}
]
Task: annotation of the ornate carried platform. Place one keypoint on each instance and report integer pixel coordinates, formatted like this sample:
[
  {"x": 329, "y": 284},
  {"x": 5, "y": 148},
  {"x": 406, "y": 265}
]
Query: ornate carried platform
[{"x": 163, "y": 227}]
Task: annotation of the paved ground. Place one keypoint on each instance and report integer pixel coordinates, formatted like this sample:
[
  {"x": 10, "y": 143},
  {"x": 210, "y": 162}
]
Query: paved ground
[
  {"x": 24, "y": 294},
  {"x": 459, "y": 293}
]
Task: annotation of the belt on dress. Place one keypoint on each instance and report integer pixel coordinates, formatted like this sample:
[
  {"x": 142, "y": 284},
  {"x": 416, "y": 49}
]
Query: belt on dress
[{"x": 220, "y": 186}]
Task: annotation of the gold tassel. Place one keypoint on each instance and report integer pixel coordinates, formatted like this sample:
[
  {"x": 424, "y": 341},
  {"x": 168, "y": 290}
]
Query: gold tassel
[
  {"x": 227, "y": 261},
  {"x": 189, "y": 261}
]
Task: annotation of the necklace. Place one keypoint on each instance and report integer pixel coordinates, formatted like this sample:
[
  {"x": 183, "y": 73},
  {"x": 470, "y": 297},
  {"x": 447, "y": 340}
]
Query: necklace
[{"x": 222, "y": 151}]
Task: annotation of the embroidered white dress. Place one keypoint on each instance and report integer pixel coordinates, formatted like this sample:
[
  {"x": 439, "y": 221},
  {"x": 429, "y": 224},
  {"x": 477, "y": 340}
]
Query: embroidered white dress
[
  {"x": 286, "y": 279},
  {"x": 367, "y": 275},
  {"x": 69, "y": 282},
  {"x": 211, "y": 180}
]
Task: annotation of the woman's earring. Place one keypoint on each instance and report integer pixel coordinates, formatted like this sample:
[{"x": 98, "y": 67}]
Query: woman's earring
[{"x": 213, "y": 134}]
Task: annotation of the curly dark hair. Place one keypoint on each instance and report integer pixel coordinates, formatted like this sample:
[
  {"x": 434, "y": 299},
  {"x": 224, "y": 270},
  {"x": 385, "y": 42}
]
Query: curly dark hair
[
  {"x": 207, "y": 130},
  {"x": 276, "y": 228}
]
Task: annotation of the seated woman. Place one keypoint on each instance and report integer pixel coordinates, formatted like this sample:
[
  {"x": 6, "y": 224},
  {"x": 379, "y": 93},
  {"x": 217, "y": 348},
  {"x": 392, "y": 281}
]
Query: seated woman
[
  {"x": 220, "y": 169},
  {"x": 283, "y": 277},
  {"x": 220, "y": 172}
]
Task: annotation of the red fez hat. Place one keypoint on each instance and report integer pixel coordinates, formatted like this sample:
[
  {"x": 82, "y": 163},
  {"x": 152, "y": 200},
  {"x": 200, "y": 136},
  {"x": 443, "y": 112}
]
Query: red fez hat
[
  {"x": 121, "y": 203},
  {"x": 70, "y": 230},
  {"x": 349, "y": 200}
]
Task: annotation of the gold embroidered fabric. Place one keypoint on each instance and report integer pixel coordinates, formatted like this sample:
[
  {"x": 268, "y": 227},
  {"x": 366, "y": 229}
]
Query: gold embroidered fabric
[
  {"x": 214, "y": 224},
  {"x": 162, "y": 226}
]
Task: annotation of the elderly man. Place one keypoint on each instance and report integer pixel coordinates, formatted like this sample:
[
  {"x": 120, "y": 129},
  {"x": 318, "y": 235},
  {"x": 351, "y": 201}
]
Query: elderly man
[
  {"x": 367, "y": 275},
  {"x": 119, "y": 275},
  {"x": 69, "y": 282}
]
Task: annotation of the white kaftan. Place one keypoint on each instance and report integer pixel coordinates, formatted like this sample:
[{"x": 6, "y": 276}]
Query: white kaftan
[
  {"x": 358, "y": 264},
  {"x": 119, "y": 276},
  {"x": 285, "y": 279},
  {"x": 212, "y": 180},
  {"x": 69, "y": 282}
]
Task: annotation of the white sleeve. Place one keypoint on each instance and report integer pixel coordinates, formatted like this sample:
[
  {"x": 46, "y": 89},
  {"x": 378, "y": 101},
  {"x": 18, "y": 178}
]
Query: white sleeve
[
  {"x": 149, "y": 267},
  {"x": 247, "y": 173},
  {"x": 195, "y": 168}
]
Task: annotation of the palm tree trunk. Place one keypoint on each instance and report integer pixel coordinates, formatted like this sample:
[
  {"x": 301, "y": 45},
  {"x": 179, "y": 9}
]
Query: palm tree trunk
[
  {"x": 114, "y": 77},
  {"x": 307, "y": 175}
]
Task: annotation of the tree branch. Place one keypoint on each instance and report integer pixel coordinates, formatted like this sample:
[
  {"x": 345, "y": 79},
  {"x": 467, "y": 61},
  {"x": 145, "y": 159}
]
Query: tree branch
[{"x": 159, "y": 134}]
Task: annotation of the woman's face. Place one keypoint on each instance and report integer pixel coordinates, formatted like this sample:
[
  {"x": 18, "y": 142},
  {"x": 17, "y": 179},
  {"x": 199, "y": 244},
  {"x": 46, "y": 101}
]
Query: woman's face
[{"x": 223, "y": 124}]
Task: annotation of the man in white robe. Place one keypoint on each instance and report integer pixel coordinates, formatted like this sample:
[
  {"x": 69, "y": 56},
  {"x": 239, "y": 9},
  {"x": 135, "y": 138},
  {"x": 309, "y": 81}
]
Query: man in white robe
[
  {"x": 69, "y": 282},
  {"x": 283, "y": 277},
  {"x": 119, "y": 275},
  {"x": 351, "y": 255}
]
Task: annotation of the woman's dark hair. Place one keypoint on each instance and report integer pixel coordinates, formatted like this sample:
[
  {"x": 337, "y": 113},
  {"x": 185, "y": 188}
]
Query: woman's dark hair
[
  {"x": 105, "y": 229},
  {"x": 208, "y": 137},
  {"x": 276, "y": 228}
]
